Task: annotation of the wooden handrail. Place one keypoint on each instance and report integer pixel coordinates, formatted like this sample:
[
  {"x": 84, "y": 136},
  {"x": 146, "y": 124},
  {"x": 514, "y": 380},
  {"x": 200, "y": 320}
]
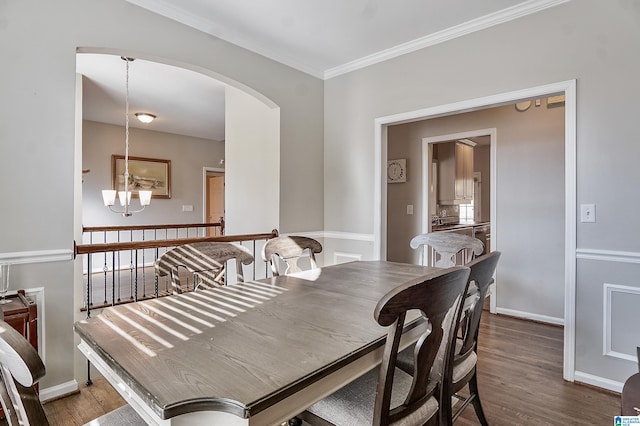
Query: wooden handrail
[
  {"x": 138, "y": 245},
  {"x": 143, "y": 227}
]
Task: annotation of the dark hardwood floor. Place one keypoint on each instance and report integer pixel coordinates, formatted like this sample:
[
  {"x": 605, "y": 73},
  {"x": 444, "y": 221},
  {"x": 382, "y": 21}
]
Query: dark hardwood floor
[{"x": 520, "y": 380}]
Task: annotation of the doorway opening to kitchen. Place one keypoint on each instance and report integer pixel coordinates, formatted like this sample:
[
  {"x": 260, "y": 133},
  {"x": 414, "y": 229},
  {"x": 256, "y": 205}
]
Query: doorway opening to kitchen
[
  {"x": 452, "y": 187},
  {"x": 517, "y": 239}
]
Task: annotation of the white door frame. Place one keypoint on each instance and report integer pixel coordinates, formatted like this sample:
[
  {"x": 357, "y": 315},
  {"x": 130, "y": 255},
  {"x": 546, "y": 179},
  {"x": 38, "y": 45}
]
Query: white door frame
[
  {"x": 206, "y": 169},
  {"x": 567, "y": 87}
]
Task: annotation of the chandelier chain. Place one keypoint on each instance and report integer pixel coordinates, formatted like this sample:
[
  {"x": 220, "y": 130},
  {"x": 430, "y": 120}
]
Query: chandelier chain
[
  {"x": 126, "y": 137},
  {"x": 109, "y": 195}
]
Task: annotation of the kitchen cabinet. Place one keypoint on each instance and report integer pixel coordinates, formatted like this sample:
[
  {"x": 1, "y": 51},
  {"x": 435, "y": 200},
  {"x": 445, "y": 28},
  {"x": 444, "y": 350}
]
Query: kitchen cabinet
[{"x": 455, "y": 183}]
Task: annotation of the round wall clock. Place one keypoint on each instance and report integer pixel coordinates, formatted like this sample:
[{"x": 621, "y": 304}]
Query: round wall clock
[
  {"x": 397, "y": 171},
  {"x": 523, "y": 106}
]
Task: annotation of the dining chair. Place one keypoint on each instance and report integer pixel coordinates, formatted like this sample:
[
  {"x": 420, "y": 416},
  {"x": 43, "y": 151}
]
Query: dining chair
[
  {"x": 461, "y": 369},
  {"x": 387, "y": 395},
  {"x": 206, "y": 261},
  {"x": 22, "y": 368},
  {"x": 445, "y": 247},
  {"x": 290, "y": 250},
  {"x": 630, "y": 395}
]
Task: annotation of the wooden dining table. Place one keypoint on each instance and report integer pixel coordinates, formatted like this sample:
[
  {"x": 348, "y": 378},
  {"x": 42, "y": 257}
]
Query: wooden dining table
[{"x": 253, "y": 353}]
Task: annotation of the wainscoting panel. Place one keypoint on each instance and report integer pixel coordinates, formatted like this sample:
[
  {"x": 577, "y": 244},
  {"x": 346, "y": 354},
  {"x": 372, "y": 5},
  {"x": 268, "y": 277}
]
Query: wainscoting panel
[
  {"x": 607, "y": 316},
  {"x": 621, "y": 308},
  {"x": 341, "y": 257},
  {"x": 340, "y": 247}
]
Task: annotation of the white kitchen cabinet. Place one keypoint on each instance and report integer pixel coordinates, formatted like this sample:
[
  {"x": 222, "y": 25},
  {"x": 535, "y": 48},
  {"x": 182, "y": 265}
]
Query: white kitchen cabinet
[{"x": 455, "y": 183}]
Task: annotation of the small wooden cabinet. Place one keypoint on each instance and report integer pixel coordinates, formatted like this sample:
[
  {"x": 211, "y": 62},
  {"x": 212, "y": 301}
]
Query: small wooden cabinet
[
  {"x": 455, "y": 180},
  {"x": 21, "y": 313}
]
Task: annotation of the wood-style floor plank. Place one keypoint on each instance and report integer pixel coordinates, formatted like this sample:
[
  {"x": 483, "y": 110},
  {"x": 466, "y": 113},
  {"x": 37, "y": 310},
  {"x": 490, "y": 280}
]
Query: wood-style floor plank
[
  {"x": 91, "y": 402},
  {"x": 520, "y": 380}
]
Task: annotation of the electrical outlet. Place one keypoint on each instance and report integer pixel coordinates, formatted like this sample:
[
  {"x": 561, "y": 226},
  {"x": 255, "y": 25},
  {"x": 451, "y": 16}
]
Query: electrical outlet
[
  {"x": 187, "y": 208},
  {"x": 587, "y": 213},
  {"x": 409, "y": 208}
]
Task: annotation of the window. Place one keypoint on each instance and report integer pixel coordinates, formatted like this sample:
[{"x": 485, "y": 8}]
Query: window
[{"x": 466, "y": 212}]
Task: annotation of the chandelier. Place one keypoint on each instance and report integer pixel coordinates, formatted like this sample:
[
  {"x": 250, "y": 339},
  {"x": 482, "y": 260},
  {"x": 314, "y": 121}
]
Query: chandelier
[{"x": 109, "y": 195}]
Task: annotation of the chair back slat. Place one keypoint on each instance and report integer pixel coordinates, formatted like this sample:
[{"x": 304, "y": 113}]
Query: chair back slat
[{"x": 481, "y": 277}]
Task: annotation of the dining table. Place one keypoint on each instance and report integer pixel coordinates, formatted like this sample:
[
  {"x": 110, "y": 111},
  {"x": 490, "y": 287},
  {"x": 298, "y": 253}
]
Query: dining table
[{"x": 252, "y": 353}]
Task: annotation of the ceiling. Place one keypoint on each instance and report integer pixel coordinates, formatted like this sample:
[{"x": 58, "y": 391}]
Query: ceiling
[
  {"x": 184, "y": 102},
  {"x": 322, "y": 38}
]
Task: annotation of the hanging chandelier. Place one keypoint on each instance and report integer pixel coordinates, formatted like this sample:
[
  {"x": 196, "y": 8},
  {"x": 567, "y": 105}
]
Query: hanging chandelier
[{"x": 109, "y": 195}]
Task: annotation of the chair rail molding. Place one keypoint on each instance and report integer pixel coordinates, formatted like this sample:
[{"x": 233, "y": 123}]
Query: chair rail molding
[
  {"x": 339, "y": 235},
  {"x": 38, "y": 256},
  {"x": 608, "y": 255}
]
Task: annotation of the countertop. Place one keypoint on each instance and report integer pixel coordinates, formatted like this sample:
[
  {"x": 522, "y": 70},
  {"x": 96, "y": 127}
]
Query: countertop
[{"x": 450, "y": 226}]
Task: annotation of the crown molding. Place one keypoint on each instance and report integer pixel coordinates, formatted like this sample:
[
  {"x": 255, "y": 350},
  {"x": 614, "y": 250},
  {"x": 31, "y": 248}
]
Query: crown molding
[{"x": 487, "y": 21}]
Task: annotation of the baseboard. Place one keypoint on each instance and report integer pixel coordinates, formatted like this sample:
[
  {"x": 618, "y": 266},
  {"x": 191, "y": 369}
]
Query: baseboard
[
  {"x": 57, "y": 391},
  {"x": 598, "y": 381},
  {"x": 530, "y": 316}
]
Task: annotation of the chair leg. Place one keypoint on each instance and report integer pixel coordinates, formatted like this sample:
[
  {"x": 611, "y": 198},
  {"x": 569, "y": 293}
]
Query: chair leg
[
  {"x": 477, "y": 406},
  {"x": 446, "y": 409},
  {"x": 295, "y": 421}
]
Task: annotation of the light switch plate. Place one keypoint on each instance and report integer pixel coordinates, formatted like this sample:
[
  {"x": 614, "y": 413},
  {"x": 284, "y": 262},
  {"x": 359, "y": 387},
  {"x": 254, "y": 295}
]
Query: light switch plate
[
  {"x": 587, "y": 213},
  {"x": 409, "y": 208}
]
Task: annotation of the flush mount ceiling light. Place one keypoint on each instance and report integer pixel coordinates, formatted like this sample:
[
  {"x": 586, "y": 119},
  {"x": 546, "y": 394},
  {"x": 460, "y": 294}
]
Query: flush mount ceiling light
[
  {"x": 145, "y": 117},
  {"x": 109, "y": 195}
]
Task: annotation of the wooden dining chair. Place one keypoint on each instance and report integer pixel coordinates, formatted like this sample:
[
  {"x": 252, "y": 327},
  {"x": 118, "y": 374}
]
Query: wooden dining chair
[
  {"x": 206, "y": 261},
  {"x": 387, "y": 395},
  {"x": 290, "y": 250},
  {"x": 22, "y": 368},
  {"x": 461, "y": 370},
  {"x": 445, "y": 247},
  {"x": 630, "y": 395}
]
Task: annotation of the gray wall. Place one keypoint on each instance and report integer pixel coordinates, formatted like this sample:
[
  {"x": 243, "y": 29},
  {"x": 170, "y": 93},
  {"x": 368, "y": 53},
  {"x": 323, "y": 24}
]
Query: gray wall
[
  {"x": 38, "y": 79},
  {"x": 590, "y": 41},
  {"x": 530, "y": 201},
  {"x": 188, "y": 156}
]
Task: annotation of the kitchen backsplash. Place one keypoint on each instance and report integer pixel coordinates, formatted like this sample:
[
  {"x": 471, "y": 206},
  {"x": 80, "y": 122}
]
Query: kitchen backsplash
[{"x": 448, "y": 211}]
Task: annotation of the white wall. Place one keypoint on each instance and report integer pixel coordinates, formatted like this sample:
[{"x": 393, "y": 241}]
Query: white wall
[
  {"x": 253, "y": 164},
  {"x": 590, "y": 41},
  {"x": 38, "y": 79},
  {"x": 188, "y": 155}
]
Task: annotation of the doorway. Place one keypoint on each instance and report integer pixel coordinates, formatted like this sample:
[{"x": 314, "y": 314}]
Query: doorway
[
  {"x": 486, "y": 140},
  {"x": 213, "y": 198},
  {"x": 568, "y": 88}
]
